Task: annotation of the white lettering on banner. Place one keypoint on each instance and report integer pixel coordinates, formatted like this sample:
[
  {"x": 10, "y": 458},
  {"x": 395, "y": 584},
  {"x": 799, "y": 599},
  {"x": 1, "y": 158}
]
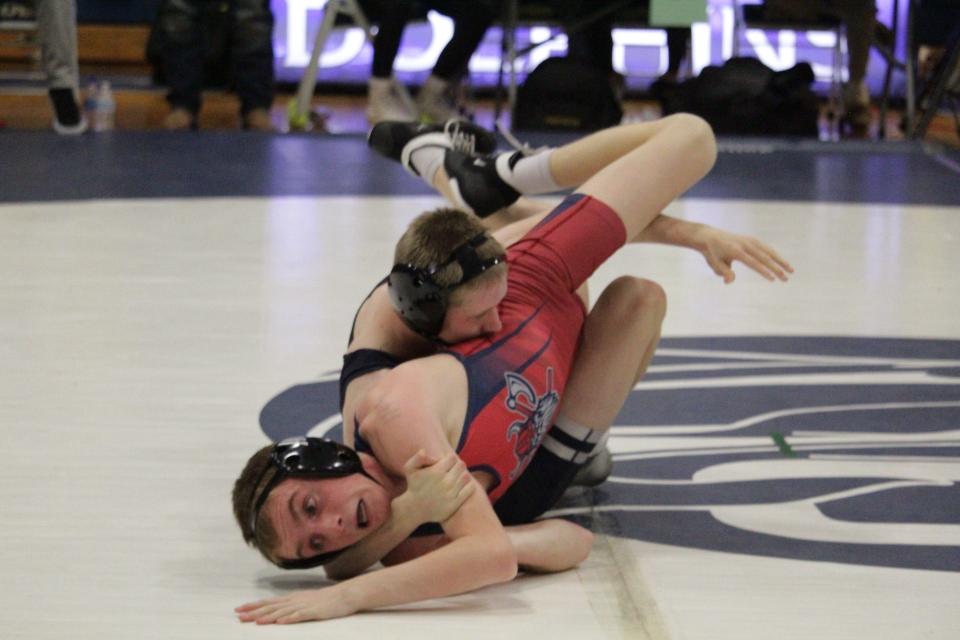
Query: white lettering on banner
[
  {"x": 538, "y": 55},
  {"x": 298, "y": 54},
  {"x": 623, "y": 38},
  {"x": 298, "y": 50},
  {"x": 701, "y": 39},
  {"x": 780, "y": 58},
  {"x": 350, "y": 44}
]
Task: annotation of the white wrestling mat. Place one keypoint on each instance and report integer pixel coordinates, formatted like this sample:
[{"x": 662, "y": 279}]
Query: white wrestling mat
[{"x": 797, "y": 480}]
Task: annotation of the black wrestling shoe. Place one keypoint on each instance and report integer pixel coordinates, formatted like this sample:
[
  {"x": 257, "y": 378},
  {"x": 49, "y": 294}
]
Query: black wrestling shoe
[
  {"x": 476, "y": 185},
  {"x": 389, "y": 138},
  {"x": 595, "y": 470}
]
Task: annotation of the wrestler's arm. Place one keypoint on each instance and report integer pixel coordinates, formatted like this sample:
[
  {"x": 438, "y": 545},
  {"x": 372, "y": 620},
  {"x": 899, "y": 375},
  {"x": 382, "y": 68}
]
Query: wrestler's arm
[
  {"x": 376, "y": 328},
  {"x": 719, "y": 248},
  {"x": 544, "y": 546}
]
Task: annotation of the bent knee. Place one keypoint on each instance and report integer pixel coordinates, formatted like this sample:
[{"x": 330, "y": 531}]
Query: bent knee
[{"x": 638, "y": 297}]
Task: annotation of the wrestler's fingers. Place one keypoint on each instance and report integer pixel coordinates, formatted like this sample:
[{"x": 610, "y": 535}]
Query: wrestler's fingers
[
  {"x": 768, "y": 262},
  {"x": 276, "y": 616},
  {"x": 418, "y": 460},
  {"x": 776, "y": 257},
  {"x": 721, "y": 268},
  {"x": 774, "y": 261},
  {"x": 448, "y": 462},
  {"x": 758, "y": 266},
  {"x": 293, "y": 618},
  {"x": 465, "y": 492},
  {"x": 255, "y": 614},
  {"x": 463, "y": 479},
  {"x": 250, "y": 606}
]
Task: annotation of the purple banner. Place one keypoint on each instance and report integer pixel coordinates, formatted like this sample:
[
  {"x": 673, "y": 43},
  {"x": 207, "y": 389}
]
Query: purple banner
[{"x": 639, "y": 54}]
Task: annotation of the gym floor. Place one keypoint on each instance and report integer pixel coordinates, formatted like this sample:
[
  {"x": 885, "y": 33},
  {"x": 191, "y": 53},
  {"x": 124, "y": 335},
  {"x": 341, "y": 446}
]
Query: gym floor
[{"x": 170, "y": 302}]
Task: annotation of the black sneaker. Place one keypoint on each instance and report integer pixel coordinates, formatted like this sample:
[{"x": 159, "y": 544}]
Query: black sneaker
[
  {"x": 476, "y": 185},
  {"x": 595, "y": 470},
  {"x": 389, "y": 138},
  {"x": 67, "y": 119}
]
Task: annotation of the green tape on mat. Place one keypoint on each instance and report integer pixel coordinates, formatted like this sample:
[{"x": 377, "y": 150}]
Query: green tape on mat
[{"x": 782, "y": 444}]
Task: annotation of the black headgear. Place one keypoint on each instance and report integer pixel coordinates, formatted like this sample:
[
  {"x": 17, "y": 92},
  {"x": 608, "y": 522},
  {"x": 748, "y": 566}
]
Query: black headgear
[
  {"x": 420, "y": 301},
  {"x": 304, "y": 457}
]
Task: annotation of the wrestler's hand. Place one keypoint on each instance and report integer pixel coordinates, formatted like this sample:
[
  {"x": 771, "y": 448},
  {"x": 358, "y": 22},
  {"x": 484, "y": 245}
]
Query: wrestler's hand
[
  {"x": 436, "y": 489},
  {"x": 300, "y": 606},
  {"x": 721, "y": 248}
]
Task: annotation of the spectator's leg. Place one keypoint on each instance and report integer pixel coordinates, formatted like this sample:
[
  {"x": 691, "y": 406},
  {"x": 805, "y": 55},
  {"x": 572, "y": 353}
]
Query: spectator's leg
[
  {"x": 677, "y": 40},
  {"x": 57, "y": 30},
  {"x": 182, "y": 52},
  {"x": 251, "y": 59},
  {"x": 859, "y": 18},
  {"x": 471, "y": 18},
  {"x": 383, "y": 101}
]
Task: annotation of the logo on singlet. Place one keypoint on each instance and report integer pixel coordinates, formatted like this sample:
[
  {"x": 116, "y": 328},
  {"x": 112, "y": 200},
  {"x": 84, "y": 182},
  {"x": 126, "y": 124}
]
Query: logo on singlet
[{"x": 537, "y": 413}]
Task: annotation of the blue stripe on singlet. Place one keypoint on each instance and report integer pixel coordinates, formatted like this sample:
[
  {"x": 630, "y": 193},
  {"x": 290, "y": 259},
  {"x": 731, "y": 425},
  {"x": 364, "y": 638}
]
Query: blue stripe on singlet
[
  {"x": 568, "y": 202},
  {"x": 493, "y": 382}
]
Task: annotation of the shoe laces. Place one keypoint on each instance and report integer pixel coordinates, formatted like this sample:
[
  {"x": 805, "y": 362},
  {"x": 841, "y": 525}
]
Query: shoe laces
[
  {"x": 461, "y": 140},
  {"x": 522, "y": 147}
]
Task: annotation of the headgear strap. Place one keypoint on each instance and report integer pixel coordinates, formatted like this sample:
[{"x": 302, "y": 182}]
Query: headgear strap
[
  {"x": 304, "y": 457},
  {"x": 420, "y": 301}
]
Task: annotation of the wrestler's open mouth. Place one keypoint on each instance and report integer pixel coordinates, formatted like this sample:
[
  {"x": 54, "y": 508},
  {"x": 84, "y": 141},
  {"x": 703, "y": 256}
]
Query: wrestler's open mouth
[{"x": 362, "y": 521}]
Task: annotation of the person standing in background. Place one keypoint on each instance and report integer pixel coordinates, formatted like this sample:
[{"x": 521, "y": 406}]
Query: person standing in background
[
  {"x": 57, "y": 31},
  {"x": 185, "y": 32},
  {"x": 435, "y": 102}
]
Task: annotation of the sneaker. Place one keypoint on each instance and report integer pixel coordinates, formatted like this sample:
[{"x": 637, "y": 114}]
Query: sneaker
[
  {"x": 476, "y": 185},
  {"x": 856, "y": 105},
  {"x": 385, "y": 103},
  {"x": 595, "y": 470},
  {"x": 435, "y": 101},
  {"x": 67, "y": 119},
  {"x": 258, "y": 120},
  {"x": 389, "y": 139},
  {"x": 180, "y": 119}
]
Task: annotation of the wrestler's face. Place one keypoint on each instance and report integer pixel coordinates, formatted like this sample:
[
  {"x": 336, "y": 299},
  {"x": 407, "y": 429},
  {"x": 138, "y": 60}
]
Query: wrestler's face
[
  {"x": 317, "y": 516},
  {"x": 475, "y": 313}
]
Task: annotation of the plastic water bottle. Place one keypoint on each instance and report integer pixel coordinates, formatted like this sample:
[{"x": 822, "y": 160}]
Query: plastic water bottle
[
  {"x": 104, "y": 108},
  {"x": 90, "y": 101}
]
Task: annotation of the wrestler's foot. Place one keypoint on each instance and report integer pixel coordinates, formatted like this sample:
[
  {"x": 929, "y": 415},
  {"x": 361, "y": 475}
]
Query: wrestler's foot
[
  {"x": 595, "y": 470},
  {"x": 396, "y": 140},
  {"x": 476, "y": 184}
]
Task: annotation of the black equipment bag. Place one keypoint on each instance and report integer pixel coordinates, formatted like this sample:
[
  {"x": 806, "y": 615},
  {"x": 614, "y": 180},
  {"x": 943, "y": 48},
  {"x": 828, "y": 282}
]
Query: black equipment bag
[
  {"x": 745, "y": 97},
  {"x": 562, "y": 93}
]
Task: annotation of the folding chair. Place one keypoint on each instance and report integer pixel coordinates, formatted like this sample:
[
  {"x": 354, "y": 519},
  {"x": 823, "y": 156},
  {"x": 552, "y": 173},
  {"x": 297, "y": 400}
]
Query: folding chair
[{"x": 937, "y": 24}]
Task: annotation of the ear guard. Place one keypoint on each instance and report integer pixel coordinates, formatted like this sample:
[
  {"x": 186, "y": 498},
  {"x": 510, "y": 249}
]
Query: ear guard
[
  {"x": 303, "y": 457},
  {"x": 420, "y": 301}
]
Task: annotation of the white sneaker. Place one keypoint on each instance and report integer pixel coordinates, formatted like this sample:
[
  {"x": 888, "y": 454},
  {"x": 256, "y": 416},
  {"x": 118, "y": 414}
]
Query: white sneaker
[
  {"x": 384, "y": 103},
  {"x": 435, "y": 101},
  {"x": 856, "y": 104}
]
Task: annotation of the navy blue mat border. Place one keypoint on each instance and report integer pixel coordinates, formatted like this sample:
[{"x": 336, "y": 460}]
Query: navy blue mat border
[{"x": 41, "y": 166}]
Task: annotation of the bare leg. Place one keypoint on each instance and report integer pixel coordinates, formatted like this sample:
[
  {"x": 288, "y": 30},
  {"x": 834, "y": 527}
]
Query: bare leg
[{"x": 619, "y": 339}]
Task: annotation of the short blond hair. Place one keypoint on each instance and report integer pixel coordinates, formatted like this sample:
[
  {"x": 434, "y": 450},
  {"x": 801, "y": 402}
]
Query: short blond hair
[{"x": 433, "y": 236}]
